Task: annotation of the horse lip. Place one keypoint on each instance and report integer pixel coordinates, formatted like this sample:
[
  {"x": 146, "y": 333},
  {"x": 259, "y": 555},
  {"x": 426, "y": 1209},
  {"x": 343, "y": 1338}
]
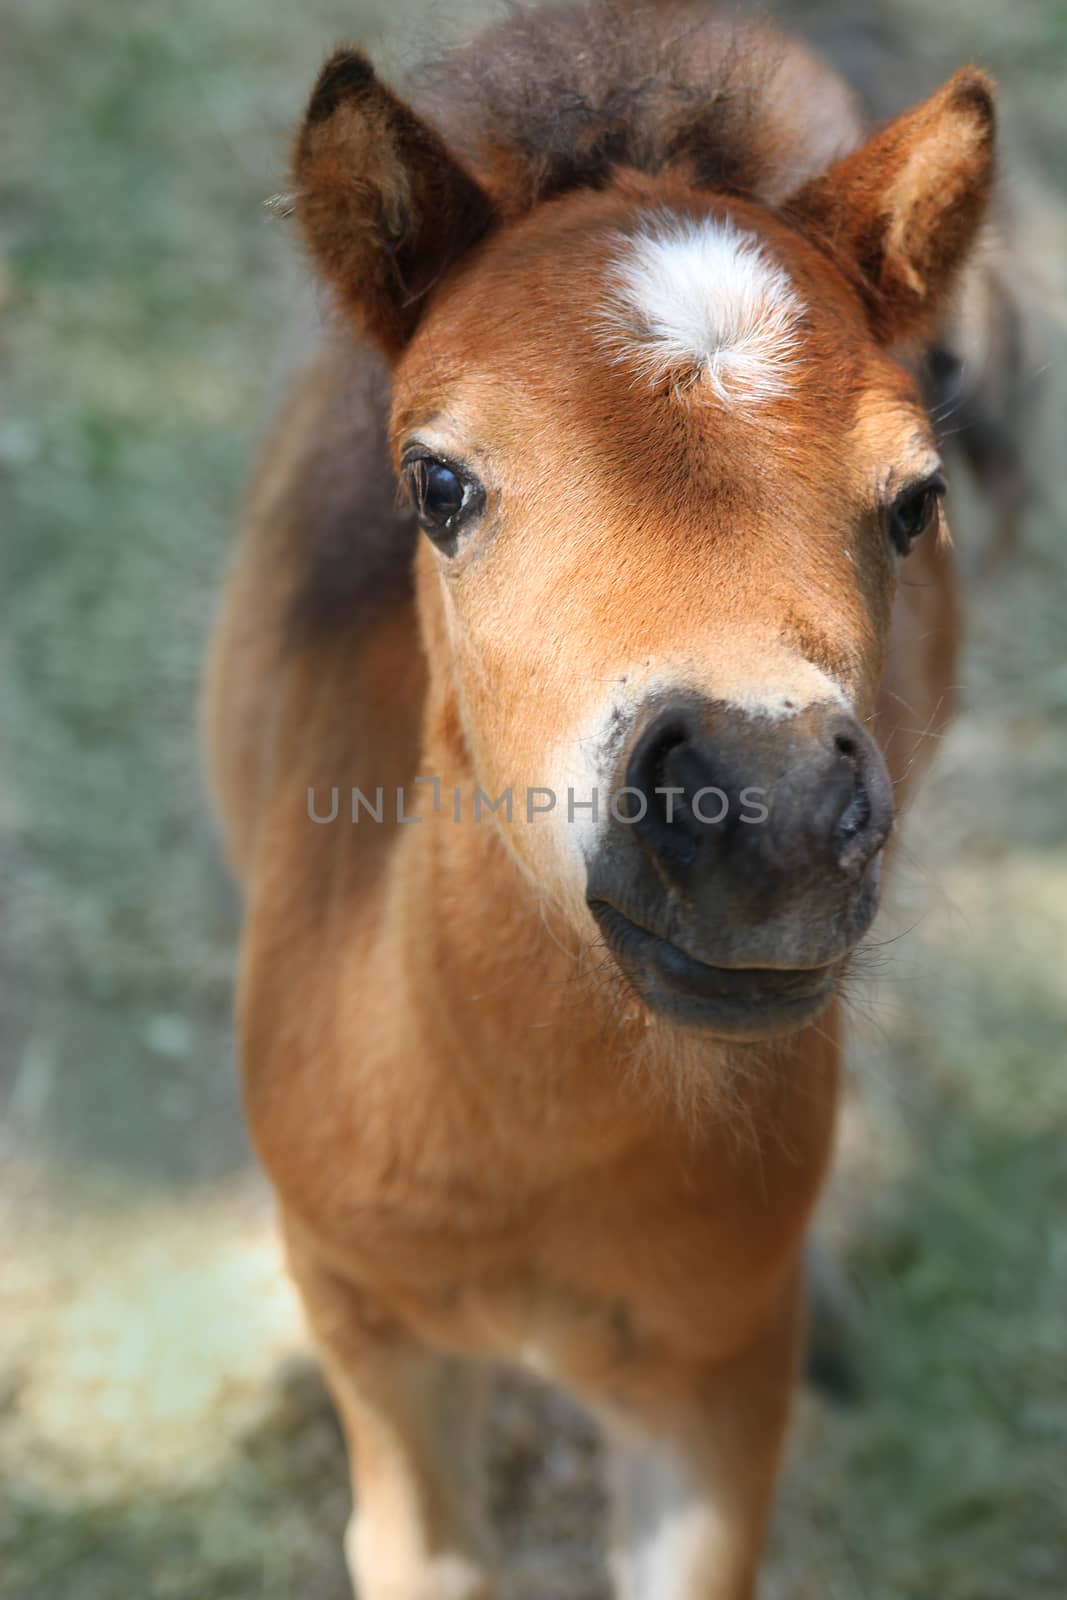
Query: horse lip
[
  {"x": 619, "y": 922},
  {"x": 743, "y": 1002}
]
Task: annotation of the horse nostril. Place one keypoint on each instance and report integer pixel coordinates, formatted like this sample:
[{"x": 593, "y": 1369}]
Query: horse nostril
[
  {"x": 866, "y": 810},
  {"x": 657, "y": 771},
  {"x": 855, "y": 816},
  {"x": 648, "y": 765}
]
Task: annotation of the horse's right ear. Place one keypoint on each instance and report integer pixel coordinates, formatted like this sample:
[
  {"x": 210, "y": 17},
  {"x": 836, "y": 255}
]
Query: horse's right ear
[{"x": 384, "y": 207}]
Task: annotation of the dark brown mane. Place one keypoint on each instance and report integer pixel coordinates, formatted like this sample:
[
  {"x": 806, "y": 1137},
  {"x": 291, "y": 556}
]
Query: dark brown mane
[{"x": 556, "y": 97}]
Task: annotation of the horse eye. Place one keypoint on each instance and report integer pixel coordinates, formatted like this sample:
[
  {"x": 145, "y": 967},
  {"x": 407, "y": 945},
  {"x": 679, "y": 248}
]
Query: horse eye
[
  {"x": 913, "y": 512},
  {"x": 442, "y": 496}
]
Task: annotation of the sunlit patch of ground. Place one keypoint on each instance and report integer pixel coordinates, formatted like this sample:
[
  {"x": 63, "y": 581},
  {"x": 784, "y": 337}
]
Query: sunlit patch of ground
[
  {"x": 103, "y": 1398},
  {"x": 162, "y": 1433}
]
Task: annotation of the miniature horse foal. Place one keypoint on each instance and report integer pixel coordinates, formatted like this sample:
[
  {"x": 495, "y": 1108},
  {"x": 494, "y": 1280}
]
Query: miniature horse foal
[{"x": 539, "y": 1035}]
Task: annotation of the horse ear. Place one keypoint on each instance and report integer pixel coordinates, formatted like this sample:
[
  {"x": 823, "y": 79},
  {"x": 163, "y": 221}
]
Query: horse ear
[
  {"x": 902, "y": 212},
  {"x": 383, "y": 206}
]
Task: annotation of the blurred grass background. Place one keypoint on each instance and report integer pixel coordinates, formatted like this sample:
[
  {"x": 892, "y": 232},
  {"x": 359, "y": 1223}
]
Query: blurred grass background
[{"x": 161, "y": 1432}]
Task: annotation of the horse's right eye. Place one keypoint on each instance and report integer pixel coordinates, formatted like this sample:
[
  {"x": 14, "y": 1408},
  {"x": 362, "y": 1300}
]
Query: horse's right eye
[{"x": 443, "y": 497}]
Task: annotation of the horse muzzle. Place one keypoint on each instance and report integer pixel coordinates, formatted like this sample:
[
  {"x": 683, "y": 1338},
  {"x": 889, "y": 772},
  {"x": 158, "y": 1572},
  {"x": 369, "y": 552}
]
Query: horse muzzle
[{"x": 741, "y": 863}]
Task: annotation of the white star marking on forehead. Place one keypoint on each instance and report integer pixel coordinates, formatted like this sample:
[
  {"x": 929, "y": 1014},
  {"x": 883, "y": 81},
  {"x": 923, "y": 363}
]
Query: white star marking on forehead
[{"x": 701, "y": 296}]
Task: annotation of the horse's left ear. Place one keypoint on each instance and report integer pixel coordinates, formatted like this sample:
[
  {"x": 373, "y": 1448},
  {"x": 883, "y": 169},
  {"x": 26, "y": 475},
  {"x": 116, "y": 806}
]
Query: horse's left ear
[
  {"x": 384, "y": 206},
  {"x": 902, "y": 212}
]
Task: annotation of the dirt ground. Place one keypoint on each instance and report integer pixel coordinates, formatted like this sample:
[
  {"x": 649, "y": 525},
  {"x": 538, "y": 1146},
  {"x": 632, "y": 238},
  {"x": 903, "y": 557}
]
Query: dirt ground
[{"x": 163, "y": 1435}]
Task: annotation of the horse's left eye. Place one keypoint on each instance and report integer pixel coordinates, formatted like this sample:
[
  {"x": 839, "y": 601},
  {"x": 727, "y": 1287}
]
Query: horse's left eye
[
  {"x": 914, "y": 511},
  {"x": 442, "y": 496}
]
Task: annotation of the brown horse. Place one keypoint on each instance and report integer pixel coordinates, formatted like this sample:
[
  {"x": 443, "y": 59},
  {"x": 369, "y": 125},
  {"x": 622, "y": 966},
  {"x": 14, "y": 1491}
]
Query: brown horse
[{"x": 539, "y": 1034}]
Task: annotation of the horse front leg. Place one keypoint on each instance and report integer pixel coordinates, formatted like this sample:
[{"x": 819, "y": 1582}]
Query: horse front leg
[
  {"x": 411, "y": 1419},
  {"x": 694, "y": 1468}
]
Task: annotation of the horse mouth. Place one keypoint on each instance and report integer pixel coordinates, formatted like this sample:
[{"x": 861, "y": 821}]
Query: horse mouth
[{"x": 744, "y": 1003}]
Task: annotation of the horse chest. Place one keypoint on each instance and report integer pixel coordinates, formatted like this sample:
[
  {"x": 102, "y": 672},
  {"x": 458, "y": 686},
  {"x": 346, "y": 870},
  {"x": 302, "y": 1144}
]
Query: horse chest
[{"x": 575, "y": 1283}]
